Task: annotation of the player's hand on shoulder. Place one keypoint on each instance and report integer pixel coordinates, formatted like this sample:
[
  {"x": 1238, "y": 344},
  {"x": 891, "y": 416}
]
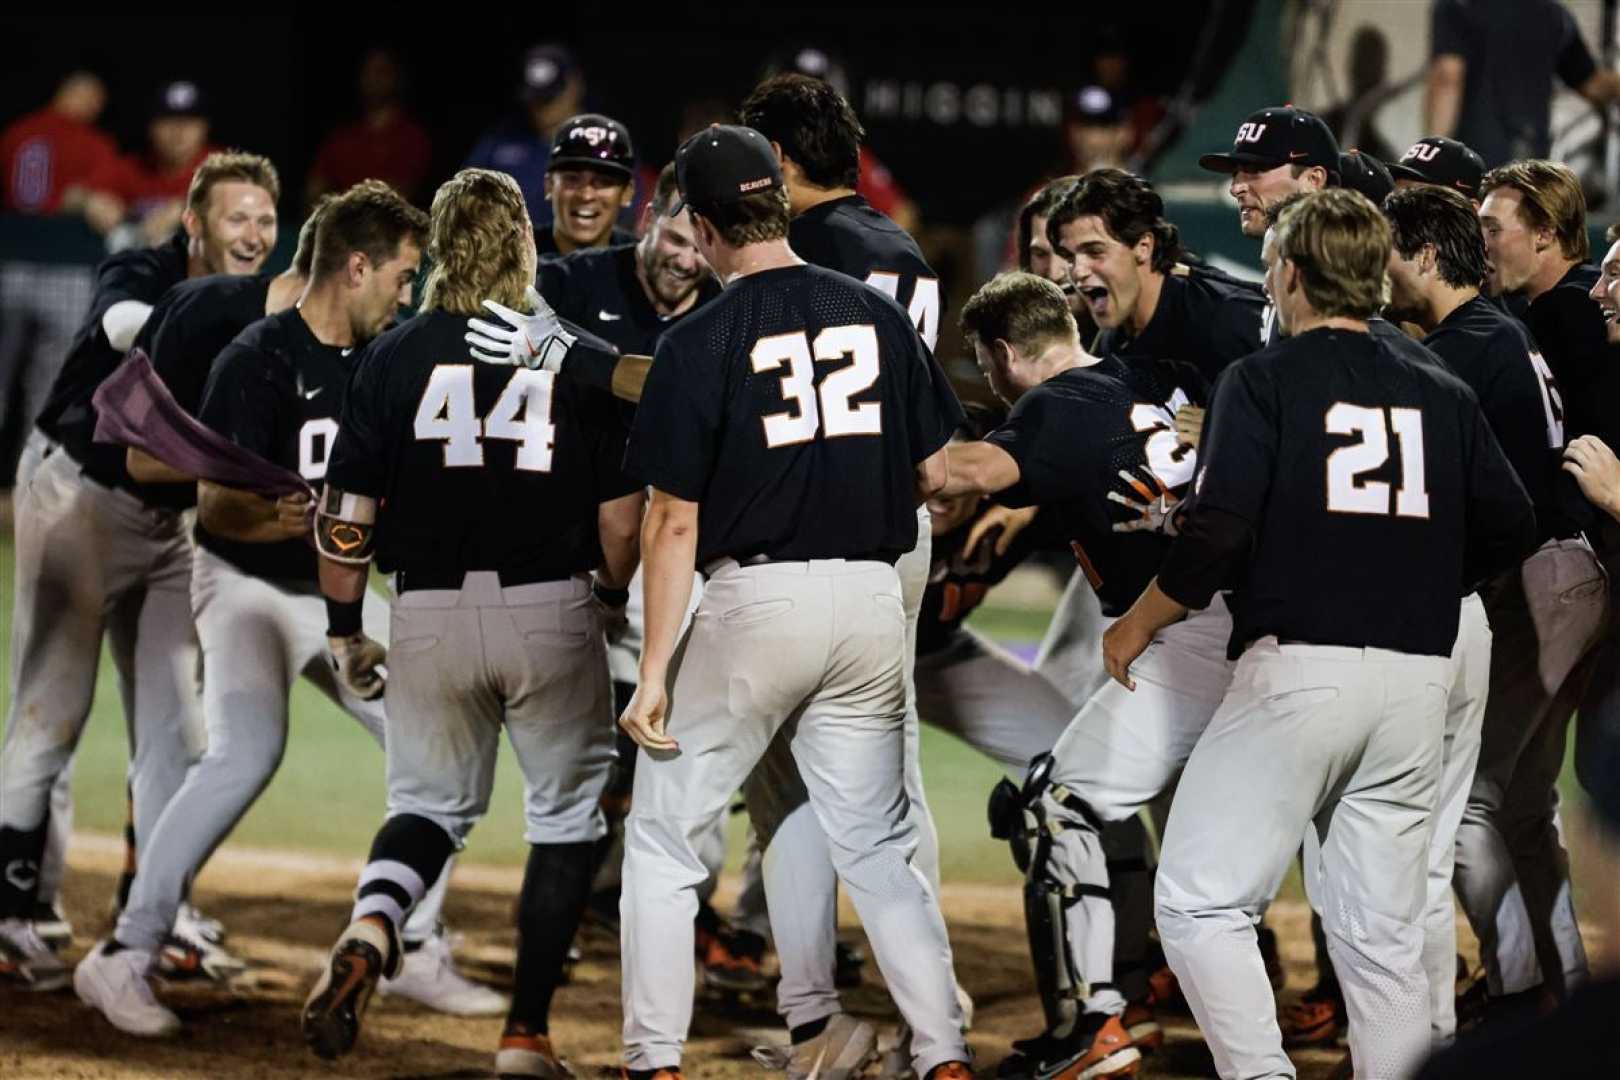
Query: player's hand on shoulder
[
  {"x": 536, "y": 340},
  {"x": 1596, "y": 470},
  {"x": 643, "y": 719},
  {"x": 357, "y": 661},
  {"x": 999, "y": 524},
  {"x": 295, "y": 514},
  {"x": 1153, "y": 504}
]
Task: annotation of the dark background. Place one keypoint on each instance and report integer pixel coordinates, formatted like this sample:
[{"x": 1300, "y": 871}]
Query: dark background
[{"x": 279, "y": 84}]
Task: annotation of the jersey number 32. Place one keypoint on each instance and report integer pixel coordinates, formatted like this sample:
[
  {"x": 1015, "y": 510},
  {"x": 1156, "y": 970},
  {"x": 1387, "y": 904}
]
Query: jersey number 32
[
  {"x": 522, "y": 414},
  {"x": 825, "y": 408}
]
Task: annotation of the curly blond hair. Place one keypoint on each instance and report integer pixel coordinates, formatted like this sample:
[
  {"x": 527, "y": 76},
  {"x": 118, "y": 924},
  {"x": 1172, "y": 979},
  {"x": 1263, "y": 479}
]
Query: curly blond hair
[{"x": 480, "y": 242}]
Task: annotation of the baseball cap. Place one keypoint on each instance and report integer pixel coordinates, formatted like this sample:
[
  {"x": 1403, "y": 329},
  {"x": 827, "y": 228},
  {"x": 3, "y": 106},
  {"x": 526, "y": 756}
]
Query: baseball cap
[
  {"x": 180, "y": 98},
  {"x": 1439, "y": 160},
  {"x": 1278, "y": 136},
  {"x": 724, "y": 163},
  {"x": 1366, "y": 174},
  {"x": 594, "y": 141},
  {"x": 546, "y": 70}
]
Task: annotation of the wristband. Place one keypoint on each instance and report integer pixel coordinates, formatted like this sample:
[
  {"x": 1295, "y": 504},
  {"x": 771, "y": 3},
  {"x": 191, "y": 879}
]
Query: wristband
[
  {"x": 343, "y": 617},
  {"x": 613, "y": 598}
]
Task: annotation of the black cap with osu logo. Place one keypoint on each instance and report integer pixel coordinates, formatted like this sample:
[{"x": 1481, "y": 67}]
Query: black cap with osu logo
[
  {"x": 723, "y": 164},
  {"x": 1278, "y": 136},
  {"x": 1443, "y": 161},
  {"x": 593, "y": 141}
]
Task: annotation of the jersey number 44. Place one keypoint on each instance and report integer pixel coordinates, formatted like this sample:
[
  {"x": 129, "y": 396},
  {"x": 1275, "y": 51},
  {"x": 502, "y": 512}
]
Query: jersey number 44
[{"x": 448, "y": 413}]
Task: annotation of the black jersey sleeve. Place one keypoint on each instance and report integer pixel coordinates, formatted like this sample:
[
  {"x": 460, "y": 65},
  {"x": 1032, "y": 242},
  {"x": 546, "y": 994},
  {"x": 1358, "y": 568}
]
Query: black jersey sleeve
[
  {"x": 555, "y": 281},
  {"x": 1240, "y": 446},
  {"x": 1501, "y": 523},
  {"x": 936, "y": 412},
  {"x": 608, "y": 433},
  {"x": 1033, "y": 436},
  {"x": 359, "y": 459},
  {"x": 676, "y": 430},
  {"x": 243, "y": 400},
  {"x": 1572, "y": 338}
]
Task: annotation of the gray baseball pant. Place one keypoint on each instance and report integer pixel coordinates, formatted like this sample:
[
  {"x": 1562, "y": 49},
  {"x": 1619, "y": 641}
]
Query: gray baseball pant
[
  {"x": 1347, "y": 739},
  {"x": 258, "y": 637},
  {"x": 1070, "y": 655},
  {"x": 93, "y": 560},
  {"x": 1512, "y": 868},
  {"x": 747, "y": 674}
]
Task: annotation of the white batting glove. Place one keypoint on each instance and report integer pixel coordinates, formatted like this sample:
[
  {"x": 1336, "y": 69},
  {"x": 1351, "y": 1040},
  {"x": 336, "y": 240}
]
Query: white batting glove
[
  {"x": 357, "y": 661},
  {"x": 1155, "y": 509},
  {"x": 532, "y": 341}
]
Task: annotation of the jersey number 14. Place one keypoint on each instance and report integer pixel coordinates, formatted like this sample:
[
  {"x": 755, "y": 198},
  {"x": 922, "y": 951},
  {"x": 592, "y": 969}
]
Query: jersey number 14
[{"x": 522, "y": 414}]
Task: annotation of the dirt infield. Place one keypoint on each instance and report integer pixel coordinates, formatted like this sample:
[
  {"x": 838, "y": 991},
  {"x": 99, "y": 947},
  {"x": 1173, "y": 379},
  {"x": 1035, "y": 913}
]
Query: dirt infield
[{"x": 284, "y": 910}]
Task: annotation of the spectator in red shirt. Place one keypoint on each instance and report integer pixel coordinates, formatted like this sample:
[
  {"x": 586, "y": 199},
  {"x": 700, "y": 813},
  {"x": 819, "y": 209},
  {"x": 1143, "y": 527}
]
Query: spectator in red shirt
[
  {"x": 385, "y": 144},
  {"x": 153, "y": 185},
  {"x": 54, "y": 158}
]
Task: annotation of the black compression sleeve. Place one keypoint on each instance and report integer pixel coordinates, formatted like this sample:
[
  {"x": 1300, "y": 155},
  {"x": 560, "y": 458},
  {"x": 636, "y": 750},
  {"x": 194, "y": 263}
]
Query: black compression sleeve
[
  {"x": 343, "y": 617},
  {"x": 1203, "y": 557}
]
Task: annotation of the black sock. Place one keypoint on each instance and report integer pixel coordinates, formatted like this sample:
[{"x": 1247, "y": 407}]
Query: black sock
[
  {"x": 126, "y": 876},
  {"x": 420, "y": 844},
  {"x": 806, "y": 1032},
  {"x": 21, "y": 852},
  {"x": 556, "y": 883}
]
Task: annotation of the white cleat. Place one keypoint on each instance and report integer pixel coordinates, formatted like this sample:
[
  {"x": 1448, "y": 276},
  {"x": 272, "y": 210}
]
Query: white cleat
[
  {"x": 116, "y": 985},
  {"x": 193, "y": 925},
  {"x": 843, "y": 1050},
  {"x": 429, "y": 977},
  {"x": 25, "y": 958}
]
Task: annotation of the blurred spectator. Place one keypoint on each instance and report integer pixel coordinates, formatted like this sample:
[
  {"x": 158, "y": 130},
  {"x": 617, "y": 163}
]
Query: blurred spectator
[
  {"x": 1351, "y": 121},
  {"x": 52, "y": 157},
  {"x": 552, "y": 90},
  {"x": 1491, "y": 68},
  {"x": 153, "y": 185},
  {"x": 384, "y": 144},
  {"x": 876, "y": 184},
  {"x": 1095, "y": 132}
]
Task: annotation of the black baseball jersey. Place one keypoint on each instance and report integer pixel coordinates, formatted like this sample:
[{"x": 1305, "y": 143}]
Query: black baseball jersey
[
  {"x": 849, "y": 236},
  {"x": 478, "y": 466},
  {"x": 1490, "y": 351},
  {"x": 1567, "y": 325},
  {"x": 1072, "y": 436},
  {"x": 958, "y": 583},
  {"x": 794, "y": 408},
  {"x": 1204, "y": 320},
  {"x": 277, "y": 391},
  {"x": 1373, "y": 490},
  {"x": 188, "y": 328},
  {"x": 141, "y": 274},
  {"x": 545, "y": 242},
  {"x": 598, "y": 291}
]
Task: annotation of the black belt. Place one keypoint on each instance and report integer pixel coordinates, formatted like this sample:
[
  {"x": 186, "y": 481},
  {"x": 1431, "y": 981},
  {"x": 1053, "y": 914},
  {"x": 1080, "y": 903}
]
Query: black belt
[{"x": 416, "y": 580}]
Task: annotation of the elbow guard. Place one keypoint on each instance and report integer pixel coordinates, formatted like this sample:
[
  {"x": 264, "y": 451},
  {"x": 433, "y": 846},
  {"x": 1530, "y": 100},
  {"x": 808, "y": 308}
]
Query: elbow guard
[{"x": 346, "y": 527}]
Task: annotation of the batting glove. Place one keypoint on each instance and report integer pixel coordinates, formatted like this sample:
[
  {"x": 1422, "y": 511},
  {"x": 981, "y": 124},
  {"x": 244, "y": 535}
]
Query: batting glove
[
  {"x": 356, "y": 660},
  {"x": 1155, "y": 509},
  {"x": 532, "y": 341}
]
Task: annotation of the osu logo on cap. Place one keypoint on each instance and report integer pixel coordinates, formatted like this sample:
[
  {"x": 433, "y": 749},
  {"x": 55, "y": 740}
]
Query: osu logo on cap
[
  {"x": 1422, "y": 152},
  {"x": 594, "y": 134},
  {"x": 1250, "y": 133}
]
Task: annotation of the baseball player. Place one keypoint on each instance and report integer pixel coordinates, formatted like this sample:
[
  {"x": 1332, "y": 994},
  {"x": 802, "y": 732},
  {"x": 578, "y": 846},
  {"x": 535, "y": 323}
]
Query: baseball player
[
  {"x": 817, "y": 138},
  {"x": 492, "y": 625},
  {"x": 1336, "y": 711},
  {"x": 1512, "y": 869},
  {"x": 589, "y": 180},
  {"x": 751, "y": 443},
  {"x": 1079, "y": 441},
  {"x": 97, "y": 554}
]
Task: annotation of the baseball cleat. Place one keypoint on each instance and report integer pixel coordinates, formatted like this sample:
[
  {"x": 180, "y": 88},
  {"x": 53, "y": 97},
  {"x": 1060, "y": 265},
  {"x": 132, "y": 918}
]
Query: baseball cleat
[
  {"x": 182, "y": 958},
  {"x": 1098, "y": 1047},
  {"x": 117, "y": 985},
  {"x": 428, "y": 976},
  {"x": 734, "y": 961},
  {"x": 522, "y": 1056},
  {"x": 1316, "y": 1019},
  {"x": 1143, "y": 1027},
  {"x": 845, "y": 1047},
  {"x": 51, "y": 925},
  {"x": 191, "y": 923},
  {"x": 364, "y": 954},
  {"x": 26, "y": 959}
]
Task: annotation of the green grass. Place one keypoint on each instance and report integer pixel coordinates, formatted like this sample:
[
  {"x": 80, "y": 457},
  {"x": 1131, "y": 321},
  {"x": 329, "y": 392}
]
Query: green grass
[{"x": 328, "y": 795}]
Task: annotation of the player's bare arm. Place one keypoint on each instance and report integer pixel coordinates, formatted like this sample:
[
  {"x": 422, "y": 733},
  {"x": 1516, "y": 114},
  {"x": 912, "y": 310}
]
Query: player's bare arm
[
  {"x": 149, "y": 470},
  {"x": 618, "y": 523},
  {"x": 932, "y": 473},
  {"x": 249, "y": 518},
  {"x": 1003, "y": 523},
  {"x": 1442, "y": 94},
  {"x": 978, "y": 468},
  {"x": 345, "y": 535},
  {"x": 668, "y": 550}
]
